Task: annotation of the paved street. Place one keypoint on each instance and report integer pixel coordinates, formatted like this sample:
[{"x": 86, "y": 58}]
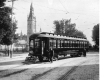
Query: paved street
[{"x": 77, "y": 68}]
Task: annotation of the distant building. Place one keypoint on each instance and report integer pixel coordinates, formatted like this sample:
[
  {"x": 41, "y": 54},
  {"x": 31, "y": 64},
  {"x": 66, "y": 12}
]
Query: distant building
[
  {"x": 40, "y": 30},
  {"x": 21, "y": 43},
  {"x": 31, "y": 23}
]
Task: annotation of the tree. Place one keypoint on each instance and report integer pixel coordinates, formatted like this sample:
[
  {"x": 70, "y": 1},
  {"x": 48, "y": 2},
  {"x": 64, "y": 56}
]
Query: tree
[
  {"x": 5, "y": 21},
  {"x": 7, "y": 26},
  {"x": 66, "y": 28},
  {"x": 95, "y": 35},
  {"x": 10, "y": 34},
  {"x": 2, "y": 3},
  {"x": 7, "y": 31},
  {"x": 58, "y": 28}
]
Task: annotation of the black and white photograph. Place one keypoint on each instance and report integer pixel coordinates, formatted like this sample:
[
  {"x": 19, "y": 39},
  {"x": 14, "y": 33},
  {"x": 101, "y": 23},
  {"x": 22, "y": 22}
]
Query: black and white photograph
[{"x": 49, "y": 40}]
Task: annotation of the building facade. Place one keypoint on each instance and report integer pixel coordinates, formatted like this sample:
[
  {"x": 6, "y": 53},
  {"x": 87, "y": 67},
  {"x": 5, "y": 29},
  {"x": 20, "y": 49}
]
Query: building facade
[{"x": 31, "y": 23}]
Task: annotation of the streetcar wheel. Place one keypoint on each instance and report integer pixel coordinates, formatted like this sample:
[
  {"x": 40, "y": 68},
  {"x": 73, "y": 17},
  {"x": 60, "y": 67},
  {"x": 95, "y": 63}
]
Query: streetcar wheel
[
  {"x": 71, "y": 55},
  {"x": 40, "y": 58},
  {"x": 84, "y": 53},
  {"x": 57, "y": 57},
  {"x": 79, "y": 55}
]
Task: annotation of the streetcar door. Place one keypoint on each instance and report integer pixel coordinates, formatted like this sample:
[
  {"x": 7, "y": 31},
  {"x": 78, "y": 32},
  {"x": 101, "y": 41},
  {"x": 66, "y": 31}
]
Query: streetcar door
[{"x": 43, "y": 46}]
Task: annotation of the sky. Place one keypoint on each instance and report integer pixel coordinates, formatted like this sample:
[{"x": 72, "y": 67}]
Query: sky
[{"x": 84, "y": 13}]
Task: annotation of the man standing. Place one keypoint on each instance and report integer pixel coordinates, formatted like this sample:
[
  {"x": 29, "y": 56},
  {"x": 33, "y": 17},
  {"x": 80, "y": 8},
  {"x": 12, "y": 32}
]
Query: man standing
[{"x": 51, "y": 52}]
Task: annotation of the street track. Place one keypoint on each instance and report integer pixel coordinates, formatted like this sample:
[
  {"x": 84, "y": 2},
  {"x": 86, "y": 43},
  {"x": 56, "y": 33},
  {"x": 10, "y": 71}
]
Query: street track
[
  {"x": 18, "y": 71},
  {"x": 49, "y": 69},
  {"x": 63, "y": 77},
  {"x": 36, "y": 77},
  {"x": 67, "y": 74},
  {"x": 27, "y": 64}
]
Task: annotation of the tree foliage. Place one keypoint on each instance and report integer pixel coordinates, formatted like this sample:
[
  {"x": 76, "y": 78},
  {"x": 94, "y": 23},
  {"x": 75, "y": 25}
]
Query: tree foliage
[
  {"x": 4, "y": 21},
  {"x": 2, "y": 3},
  {"x": 95, "y": 34},
  {"x": 7, "y": 31},
  {"x": 65, "y": 27}
]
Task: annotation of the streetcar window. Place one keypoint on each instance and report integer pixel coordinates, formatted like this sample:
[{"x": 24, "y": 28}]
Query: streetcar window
[
  {"x": 54, "y": 43},
  {"x": 70, "y": 43},
  {"x": 31, "y": 43},
  {"x": 50, "y": 42},
  {"x": 61, "y": 43},
  {"x": 65, "y": 44},
  {"x": 37, "y": 43},
  {"x": 80, "y": 44},
  {"x": 83, "y": 44},
  {"x": 86, "y": 44},
  {"x": 75, "y": 43},
  {"x": 58, "y": 45}
]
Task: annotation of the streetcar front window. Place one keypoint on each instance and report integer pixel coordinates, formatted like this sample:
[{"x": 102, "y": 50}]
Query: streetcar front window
[
  {"x": 37, "y": 43},
  {"x": 31, "y": 43}
]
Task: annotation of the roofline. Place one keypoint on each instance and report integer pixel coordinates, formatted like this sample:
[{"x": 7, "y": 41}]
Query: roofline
[{"x": 52, "y": 35}]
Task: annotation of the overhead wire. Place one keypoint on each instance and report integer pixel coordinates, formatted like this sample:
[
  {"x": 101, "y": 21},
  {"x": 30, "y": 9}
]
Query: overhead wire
[
  {"x": 65, "y": 10},
  {"x": 63, "y": 6}
]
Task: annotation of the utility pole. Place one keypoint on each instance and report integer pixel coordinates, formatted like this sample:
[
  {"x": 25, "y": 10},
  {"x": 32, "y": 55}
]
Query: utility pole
[{"x": 11, "y": 53}]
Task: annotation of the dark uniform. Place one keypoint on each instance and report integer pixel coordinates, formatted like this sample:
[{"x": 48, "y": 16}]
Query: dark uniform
[{"x": 50, "y": 55}]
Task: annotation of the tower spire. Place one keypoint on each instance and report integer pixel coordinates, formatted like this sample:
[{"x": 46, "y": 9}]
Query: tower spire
[
  {"x": 21, "y": 35},
  {"x": 31, "y": 26},
  {"x": 31, "y": 15},
  {"x": 40, "y": 30}
]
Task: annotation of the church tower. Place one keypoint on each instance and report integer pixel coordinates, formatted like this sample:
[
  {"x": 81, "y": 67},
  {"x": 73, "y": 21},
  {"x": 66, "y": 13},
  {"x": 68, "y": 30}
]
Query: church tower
[{"x": 31, "y": 23}]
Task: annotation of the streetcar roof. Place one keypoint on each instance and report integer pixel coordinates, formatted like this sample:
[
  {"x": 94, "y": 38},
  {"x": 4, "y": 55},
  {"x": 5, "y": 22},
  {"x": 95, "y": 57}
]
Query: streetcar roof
[{"x": 51, "y": 35}]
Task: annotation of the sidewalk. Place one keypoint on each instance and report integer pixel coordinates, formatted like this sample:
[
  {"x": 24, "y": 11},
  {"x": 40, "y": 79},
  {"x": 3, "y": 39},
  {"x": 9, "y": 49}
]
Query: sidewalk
[
  {"x": 14, "y": 57},
  {"x": 10, "y": 63}
]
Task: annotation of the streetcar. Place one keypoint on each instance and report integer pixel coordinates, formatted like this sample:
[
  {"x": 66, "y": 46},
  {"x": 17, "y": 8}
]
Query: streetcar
[{"x": 41, "y": 43}]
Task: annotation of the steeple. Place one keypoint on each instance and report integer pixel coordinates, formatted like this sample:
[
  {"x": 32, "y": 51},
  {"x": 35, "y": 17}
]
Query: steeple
[
  {"x": 21, "y": 35},
  {"x": 31, "y": 23},
  {"x": 31, "y": 15},
  {"x": 40, "y": 30}
]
